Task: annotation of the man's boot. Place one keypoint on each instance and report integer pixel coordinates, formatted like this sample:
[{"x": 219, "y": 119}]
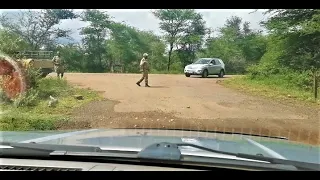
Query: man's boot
[
  {"x": 138, "y": 84},
  {"x": 147, "y": 85}
]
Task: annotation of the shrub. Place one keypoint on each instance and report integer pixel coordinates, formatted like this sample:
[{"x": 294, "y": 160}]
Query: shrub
[
  {"x": 33, "y": 77},
  {"x": 263, "y": 69},
  {"x": 3, "y": 97},
  {"x": 235, "y": 66},
  {"x": 271, "y": 70},
  {"x": 29, "y": 98},
  {"x": 52, "y": 86}
]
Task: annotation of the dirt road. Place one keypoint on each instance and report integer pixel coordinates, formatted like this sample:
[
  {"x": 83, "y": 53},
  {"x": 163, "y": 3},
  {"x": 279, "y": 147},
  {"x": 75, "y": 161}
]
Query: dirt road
[{"x": 174, "y": 101}]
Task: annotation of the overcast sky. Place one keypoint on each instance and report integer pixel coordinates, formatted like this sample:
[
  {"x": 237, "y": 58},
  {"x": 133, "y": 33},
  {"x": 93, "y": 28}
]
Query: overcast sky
[{"x": 144, "y": 19}]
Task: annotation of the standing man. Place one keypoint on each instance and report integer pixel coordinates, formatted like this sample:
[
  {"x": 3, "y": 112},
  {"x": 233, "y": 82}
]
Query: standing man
[
  {"x": 144, "y": 68},
  {"x": 58, "y": 65}
]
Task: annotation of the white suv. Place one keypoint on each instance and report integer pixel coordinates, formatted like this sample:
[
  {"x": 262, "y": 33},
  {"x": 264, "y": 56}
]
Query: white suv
[{"x": 206, "y": 67}]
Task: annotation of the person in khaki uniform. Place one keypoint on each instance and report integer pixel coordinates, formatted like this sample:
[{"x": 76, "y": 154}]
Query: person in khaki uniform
[
  {"x": 144, "y": 68},
  {"x": 58, "y": 65}
]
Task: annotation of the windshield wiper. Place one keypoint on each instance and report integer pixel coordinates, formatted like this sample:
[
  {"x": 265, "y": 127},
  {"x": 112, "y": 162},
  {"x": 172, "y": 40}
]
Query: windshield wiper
[
  {"x": 170, "y": 151},
  {"x": 297, "y": 164},
  {"x": 219, "y": 132},
  {"x": 41, "y": 150}
]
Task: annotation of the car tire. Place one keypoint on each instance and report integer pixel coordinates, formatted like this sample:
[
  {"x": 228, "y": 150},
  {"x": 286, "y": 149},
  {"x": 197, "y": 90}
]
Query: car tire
[
  {"x": 205, "y": 73},
  {"x": 221, "y": 74},
  {"x": 187, "y": 75}
]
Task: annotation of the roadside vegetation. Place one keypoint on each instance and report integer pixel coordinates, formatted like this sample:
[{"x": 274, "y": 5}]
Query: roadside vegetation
[
  {"x": 31, "y": 111},
  {"x": 277, "y": 87},
  {"x": 290, "y": 66}
]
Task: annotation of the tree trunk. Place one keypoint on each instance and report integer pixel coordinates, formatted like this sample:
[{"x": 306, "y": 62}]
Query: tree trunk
[
  {"x": 100, "y": 62},
  {"x": 111, "y": 66},
  {"x": 315, "y": 84},
  {"x": 170, "y": 52}
]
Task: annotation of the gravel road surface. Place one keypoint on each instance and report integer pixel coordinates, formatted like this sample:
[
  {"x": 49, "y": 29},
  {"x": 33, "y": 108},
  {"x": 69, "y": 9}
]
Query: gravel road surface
[{"x": 175, "y": 101}]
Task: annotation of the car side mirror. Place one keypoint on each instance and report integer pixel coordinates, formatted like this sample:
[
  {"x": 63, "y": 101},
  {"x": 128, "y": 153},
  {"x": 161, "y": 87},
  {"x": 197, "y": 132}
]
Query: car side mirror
[{"x": 210, "y": 64}]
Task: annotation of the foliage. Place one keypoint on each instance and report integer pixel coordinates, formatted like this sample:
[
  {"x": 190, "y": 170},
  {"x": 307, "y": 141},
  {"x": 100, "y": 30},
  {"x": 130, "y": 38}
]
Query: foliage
[
  {"x": 30, "y": 98},
  {"x": 17, "y": 121},
  {"x": 238, "y": 45},
  {"x": 300, "y": 31},
  {"x": 31, "y": 112},
  {"x": 11, "y": 42},
  {"x": 184, "y": 28},
  {"x": 278, "y": 87},
  {"x": 42, "y": 89},
  {"x": 37, "y": 28},
  {"x": 94, "y": 36},
  {"x": 3, "y": 97}
]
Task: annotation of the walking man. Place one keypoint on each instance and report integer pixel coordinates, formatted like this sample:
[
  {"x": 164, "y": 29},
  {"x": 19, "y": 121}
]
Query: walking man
[
  {"x": 144, "y": 68},
  {"x": 58, "y": 65}
]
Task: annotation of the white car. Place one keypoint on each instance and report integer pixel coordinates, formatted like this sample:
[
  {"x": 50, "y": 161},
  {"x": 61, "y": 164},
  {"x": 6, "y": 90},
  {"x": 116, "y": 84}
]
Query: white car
[{"x": 206, "y": 67}]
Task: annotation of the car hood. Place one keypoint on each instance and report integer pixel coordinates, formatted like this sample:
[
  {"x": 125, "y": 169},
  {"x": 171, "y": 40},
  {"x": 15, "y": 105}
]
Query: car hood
[
  {"x": 195, "y": 66},
  {"x": 137, "y": 139}
]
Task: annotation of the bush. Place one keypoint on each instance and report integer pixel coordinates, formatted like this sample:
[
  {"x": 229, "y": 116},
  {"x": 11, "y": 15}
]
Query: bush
[
  {"x": 271, "y": 70},
  {"x": 3, "y": 97},
  {"x": 263, "y": 70},
  {"x": 235, "y": 66},
  {"x": 30, "y": 98},
  {"x": 33, "y": 77},
  {"x": 41, "y": 90},
  {"x": 52, "y": 86}
]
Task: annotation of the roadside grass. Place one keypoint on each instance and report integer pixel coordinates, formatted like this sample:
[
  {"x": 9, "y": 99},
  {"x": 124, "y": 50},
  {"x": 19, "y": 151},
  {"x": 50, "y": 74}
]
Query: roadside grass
[
  {"x": 37, "y": 115},
  {"x": 274, "y": 87}
]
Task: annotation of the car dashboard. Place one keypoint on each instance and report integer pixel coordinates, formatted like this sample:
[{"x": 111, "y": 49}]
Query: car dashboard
[{"x": 8, "y": 164}]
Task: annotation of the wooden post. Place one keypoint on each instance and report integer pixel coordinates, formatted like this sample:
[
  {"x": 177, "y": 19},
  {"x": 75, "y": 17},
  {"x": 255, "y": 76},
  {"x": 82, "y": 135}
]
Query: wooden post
[{"x": 315, "y": 84}]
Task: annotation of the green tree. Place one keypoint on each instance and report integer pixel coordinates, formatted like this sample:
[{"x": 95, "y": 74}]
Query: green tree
[
  {"x": 156, "y": 48},
  {"x": 74, "y": 57},
  {"x": 11, "y": 42},
  {"x": 301, "y": 33},
  {"x": 37, "y": 28},
  {"x": 237, "y": 44},
  {"x": 94, "y": 38},
  {"x": 174, "y": 22},
  {"x": 127, "y": 44},
  {"x": 192, "y": 41}
]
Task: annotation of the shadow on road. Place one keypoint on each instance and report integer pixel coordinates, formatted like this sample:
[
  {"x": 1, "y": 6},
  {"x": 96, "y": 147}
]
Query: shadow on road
[
  {"x": 158, "y": 86},
  {"x": 214, "y": 77}
]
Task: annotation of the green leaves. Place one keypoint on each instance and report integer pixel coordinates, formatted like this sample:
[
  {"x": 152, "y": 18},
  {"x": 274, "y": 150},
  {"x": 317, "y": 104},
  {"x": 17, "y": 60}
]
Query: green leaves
[
  {"x": 38, "y": 29},
  {"x": 111, "y": 43},
  {"x": 184, "y": 28},
  {"x": 94, "y": 40},
  {"x": 300, "y": 31},
  {"x": 238, "y": 45},
  {"x": 174, "y": 21},
  {"x": 11, "y": 42}
]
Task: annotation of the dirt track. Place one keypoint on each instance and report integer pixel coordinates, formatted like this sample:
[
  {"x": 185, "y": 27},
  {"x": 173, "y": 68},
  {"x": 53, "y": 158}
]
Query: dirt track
[{"x": 175, "y": 101}]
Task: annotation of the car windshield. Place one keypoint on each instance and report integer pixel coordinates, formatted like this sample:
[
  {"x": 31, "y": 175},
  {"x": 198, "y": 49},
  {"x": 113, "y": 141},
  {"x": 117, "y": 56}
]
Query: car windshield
[
  {"x": 112, "y": 79},
  {"x": 202, "y": 61}
]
